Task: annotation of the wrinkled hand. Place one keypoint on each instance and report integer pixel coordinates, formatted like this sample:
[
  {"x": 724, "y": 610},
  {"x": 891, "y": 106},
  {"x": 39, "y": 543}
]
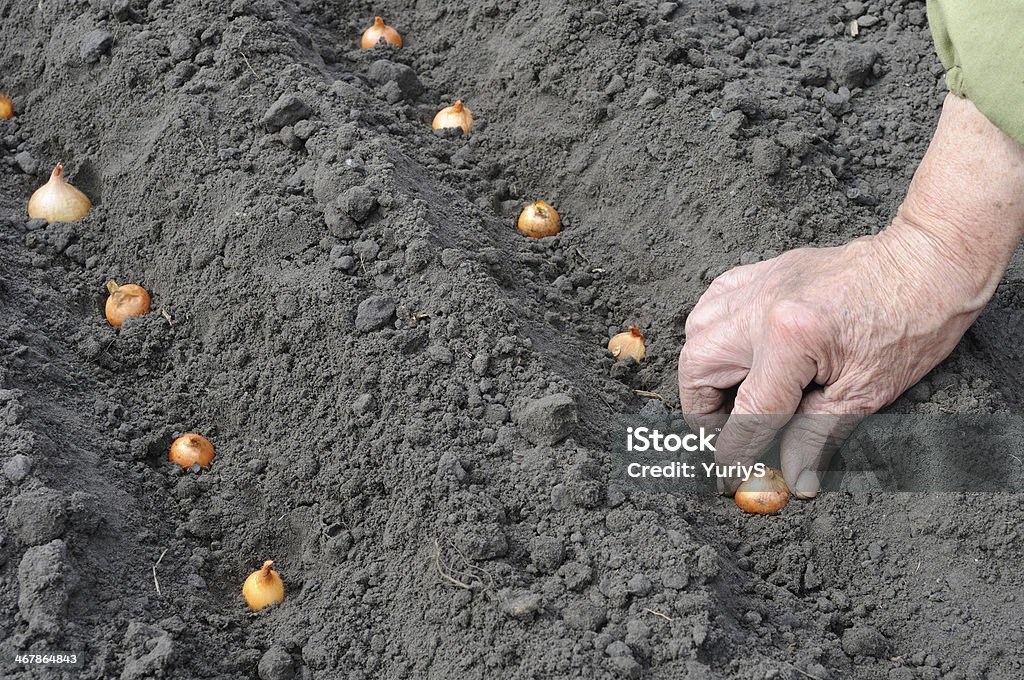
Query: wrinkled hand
[
  {"x": 858, "y": 324},
  {"x": 841, "y": 332}
]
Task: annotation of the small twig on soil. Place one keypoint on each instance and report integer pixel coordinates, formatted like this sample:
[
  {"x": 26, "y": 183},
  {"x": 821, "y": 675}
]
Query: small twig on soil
[
  {"x": 664, "y": 616},
  {"x": 441, "y": 570},
  {"x": 246, "y": 60},
  {"x": 109, "y": 345},
  {"x": 167, "y": 317},
  {"x": 802, "y": 672},
  {"x": 463, "y": 567},
  {"x": 649, "y": 395},
  {"x": 156, "y": 581}
]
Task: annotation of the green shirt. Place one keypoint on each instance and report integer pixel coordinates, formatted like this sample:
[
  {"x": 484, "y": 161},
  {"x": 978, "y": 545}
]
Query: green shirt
[{"x": 981, "y": 45}]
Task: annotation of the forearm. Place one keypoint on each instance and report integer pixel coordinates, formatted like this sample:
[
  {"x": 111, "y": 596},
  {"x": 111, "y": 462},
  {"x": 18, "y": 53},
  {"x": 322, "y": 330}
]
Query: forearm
[{"x": 965, "y": 204}]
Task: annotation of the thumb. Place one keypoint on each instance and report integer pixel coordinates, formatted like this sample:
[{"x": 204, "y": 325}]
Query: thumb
[{"x": 818, "y": 430}]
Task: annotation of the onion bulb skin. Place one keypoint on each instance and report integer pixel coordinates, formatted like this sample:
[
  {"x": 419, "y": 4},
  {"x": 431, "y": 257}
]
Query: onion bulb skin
[
  {"x": 628, "y": 344},
  {"x": 125, "y": 301},
  {"x": 263, "y": 588},
  {"x": 455, "y": 116},
  {"x": 190, "y": 449},
  {"x": 539, "y": 220},
  {"x": 765, "y": 495},
  {"x": 6, "y": 108},
  {"x": 373, "y": 34},
  {"x": 58, "y": 201}
]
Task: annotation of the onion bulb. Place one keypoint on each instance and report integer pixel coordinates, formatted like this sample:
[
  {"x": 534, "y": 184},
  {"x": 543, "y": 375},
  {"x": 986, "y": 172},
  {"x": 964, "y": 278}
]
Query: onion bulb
[
  {"x": 763, "y": 495},
  {"x": 454, "y": 116},
  {"x": 6, "y": 108},
  {"x": 125, "y": 301},
  {"x": 628, "y": 344},
  {"x": 58, "y": 201},
  {"x": 264, "y": 587},
  {"x": 373, "y": 34},
  {"x": 539, "y": 220},
  {"x": 189, "y": 449}
]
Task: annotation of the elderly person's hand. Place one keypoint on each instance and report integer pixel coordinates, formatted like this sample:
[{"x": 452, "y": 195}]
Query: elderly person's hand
[{"x": 842, "y": 332}]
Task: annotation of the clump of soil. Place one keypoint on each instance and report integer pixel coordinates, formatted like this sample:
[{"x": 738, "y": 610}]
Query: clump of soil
[{"x": 409, "y": 399}]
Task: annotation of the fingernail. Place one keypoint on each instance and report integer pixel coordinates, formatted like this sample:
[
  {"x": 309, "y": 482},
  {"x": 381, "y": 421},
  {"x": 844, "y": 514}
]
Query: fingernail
[{"x": 807, "y": 485}]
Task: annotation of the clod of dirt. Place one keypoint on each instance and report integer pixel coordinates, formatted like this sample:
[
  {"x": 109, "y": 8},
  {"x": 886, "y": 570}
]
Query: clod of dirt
[
  {"x": 547, "y": 553},
  {"x": 363, "y": 404},
  {"x": 38, "y": 516},
  {"x": 651, "y": 99},
  {"x": 625, "y": 666},
  {"x": 584, "y": 616},
  {"x": 737, "y": 96},
  {"x": 151, "y": 651},
  {"x": 94, "y": 45},
  {"x": 482, "y": 542},
  {"x": 43, "y": 576},
  {"x": 374, "y": 313},
  {"x": 384, "y": 71},
  {"x": 26, "y": 162},
  {"x": 851, "y": 64},
  {"x": 358, "y": 202},
  {"x": 864, "y": 641},
  {"x": 767, "y": 157},
  {"x": 575, "y": 575},
  {"x": 18, "y": 468},
  {"x": 287, "y": 110},
  {"x": 276, "y": 664},
  {"x": 547, "y": 420}
]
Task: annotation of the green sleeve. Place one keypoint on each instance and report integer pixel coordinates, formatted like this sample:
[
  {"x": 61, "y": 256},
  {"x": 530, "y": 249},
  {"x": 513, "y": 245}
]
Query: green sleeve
[{"x": 981, "y": 45}]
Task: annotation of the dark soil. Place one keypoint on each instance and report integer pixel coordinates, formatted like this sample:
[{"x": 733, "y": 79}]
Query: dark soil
[{"x": 343, "y": 306}]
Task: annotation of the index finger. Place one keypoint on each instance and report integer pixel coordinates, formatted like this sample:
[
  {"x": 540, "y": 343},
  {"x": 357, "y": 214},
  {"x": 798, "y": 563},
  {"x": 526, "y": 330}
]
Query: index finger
[
  {"x": 765, "y": 402},
  {"x": 706, "y": 369}
]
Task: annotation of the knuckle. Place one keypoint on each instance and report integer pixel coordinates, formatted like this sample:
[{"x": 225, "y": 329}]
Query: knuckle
[
  {"x": 790, "y": 321},
  {"x": 866, "y": 402},
  {"x": 699, "y": 318},
  {"x": 718, "y": 286},
  {"x": 696, "y": 356},
  {"x": 728, "y": 280},
  {"x": 863, "y": 399},
  {"x": 688, "y": 366}
]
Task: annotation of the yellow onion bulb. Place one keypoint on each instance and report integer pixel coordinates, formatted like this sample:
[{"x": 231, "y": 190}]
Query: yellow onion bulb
[
  {"x": 58, "y": 201},
  {"x": 765, "y": 495},
  {"x": 455, "y": 116},
  {"x": 191, "y": 448},
  {"x": 373, "y": 34},
  {"x": 6, "y": 108},
  {"x": 125, "y": 301},
  {"x": 628, "y": 344},
  {"x": 539, "y": 220},
  {"x": 264, "y": 587}
]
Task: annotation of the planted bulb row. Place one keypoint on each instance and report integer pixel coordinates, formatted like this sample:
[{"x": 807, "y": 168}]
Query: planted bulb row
[{"x": 59, "y": 201}]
